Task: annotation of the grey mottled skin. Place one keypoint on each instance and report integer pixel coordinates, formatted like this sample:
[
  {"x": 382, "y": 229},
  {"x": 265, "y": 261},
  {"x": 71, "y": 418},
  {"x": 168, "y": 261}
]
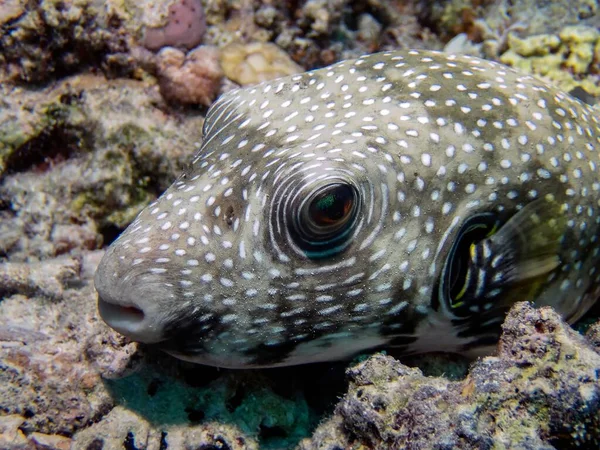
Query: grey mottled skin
[{"x": 426, "y": 145}]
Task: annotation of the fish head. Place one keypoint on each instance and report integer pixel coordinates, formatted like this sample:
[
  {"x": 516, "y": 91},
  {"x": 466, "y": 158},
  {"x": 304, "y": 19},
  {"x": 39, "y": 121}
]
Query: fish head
[{"x": 267, "y": 240}]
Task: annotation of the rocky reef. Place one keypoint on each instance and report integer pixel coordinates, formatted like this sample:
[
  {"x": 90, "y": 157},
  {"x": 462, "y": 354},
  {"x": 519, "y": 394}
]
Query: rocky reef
[
  {"x": 556, "y": 40},
  {"x": 102, "y": 104},
  {"x": 540, "y": 392}
]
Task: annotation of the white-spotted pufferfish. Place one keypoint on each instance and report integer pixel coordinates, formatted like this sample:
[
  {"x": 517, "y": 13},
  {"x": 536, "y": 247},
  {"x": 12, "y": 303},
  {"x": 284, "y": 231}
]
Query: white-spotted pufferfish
[{"x": 403, "y": 199}]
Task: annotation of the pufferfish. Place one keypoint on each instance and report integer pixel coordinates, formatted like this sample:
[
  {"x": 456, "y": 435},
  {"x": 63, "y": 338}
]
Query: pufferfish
[{"x": 403, "y": 199}]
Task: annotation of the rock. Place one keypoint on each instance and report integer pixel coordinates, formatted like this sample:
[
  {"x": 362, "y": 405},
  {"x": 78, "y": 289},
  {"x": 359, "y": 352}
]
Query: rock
[
  {"x": 112, "y": 355},
  {"x": 44, "y": 375},
  {"x": 210, "y": 435},
  {"x": 11, "y": 437},
  {"x": 79, "y": 159},
  {"x": 118, "y": 427},
  {"x": 123, "y": 427},
  {"x": 49, "y": 441},
  {"x": 47, "y": 278},
  {"x": 542, "y": 391}
]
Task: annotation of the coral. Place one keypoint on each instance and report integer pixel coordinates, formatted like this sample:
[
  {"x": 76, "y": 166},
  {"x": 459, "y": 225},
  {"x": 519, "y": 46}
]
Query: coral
[
  {"x": 401, "y": 26},
  {"x": 256, "y": 62},
  {"x": 321, "y": 16},
  {"x": 12, "y": 438},
  {"x": 369, "y": 29},
  {"x": 80, "y": 159},
  {"x": 194, "y": 78},
  {"x": 490, "y": 20},
  {"x": 558, "y": 40},
  {"x": 45, "y": 39},
  {"x": 542, "y": 391},
  {"x": 593, "y": 335},
  {"x": 568, "y": 59},
  {"x": 456, "y": 16},
  {"x": 318, "y": 32},
  {"x": 236, "y": 21},
  {"x": 81, "y": 155},
  {"x": 184, "y": 26}
]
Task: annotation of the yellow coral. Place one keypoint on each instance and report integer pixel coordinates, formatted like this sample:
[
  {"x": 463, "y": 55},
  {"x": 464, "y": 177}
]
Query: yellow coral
[
  {"x": 581, "y": 41},
  {"x": 565, "y": 59},
  {"x": 538, "y": 45},
  {"x": 255, "y": 62}
]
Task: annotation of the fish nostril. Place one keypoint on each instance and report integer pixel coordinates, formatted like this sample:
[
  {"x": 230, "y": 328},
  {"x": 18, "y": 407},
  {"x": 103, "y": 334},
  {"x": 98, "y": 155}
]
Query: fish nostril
[{"x": 229, "y": 216}]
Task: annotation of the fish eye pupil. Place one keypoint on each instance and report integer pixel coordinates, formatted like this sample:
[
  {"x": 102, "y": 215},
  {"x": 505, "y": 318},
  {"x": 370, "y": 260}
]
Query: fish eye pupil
[{"x": 331, "y": 206}]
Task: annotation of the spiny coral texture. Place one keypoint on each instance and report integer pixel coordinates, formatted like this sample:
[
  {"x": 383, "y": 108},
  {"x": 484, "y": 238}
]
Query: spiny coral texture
[
  {"x": 542, "y": 391},
  {"x": 45, "y": 40},
  {"x": 49, "y": 38}
]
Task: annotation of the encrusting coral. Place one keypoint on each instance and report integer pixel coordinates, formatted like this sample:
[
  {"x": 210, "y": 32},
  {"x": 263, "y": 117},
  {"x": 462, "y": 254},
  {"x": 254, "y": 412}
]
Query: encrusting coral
[{"x": 184, "y": 26}]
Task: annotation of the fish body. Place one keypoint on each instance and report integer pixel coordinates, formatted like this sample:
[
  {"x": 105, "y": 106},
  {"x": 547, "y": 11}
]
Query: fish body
[{"x": 401, "y": 199}]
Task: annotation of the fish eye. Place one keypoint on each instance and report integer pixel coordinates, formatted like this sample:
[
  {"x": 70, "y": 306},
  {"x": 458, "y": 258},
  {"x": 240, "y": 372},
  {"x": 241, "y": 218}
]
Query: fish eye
[
  {"x": 324, "y": 222},
  {"x": 332, "y": 207}
]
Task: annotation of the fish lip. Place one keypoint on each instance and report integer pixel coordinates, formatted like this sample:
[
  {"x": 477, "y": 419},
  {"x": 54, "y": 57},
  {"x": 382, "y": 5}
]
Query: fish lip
[
  {"x": 106, "y": 308},
  {"x": 128, "y": 320}
]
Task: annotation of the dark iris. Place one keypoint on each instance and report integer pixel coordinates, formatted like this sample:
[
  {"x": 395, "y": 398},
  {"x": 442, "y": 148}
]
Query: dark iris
[
  {"x": 323, "y": 225},
  {"x": 333, "y": 206}
]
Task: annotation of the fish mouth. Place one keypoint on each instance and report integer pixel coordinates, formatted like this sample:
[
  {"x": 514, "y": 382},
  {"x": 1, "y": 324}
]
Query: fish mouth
[
  {"x": 114, "y": 314},
  {"x": 128, "y": 320}
]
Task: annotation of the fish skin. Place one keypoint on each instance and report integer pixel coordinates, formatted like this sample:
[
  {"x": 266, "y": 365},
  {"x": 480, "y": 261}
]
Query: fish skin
[{"x": 211, "y": 273}]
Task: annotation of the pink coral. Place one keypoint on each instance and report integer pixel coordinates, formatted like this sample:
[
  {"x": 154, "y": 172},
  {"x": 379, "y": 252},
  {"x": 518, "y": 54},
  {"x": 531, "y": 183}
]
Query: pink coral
[
  {"x": 185, "y": 27},
  {"x": 194, "y": 78}
]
